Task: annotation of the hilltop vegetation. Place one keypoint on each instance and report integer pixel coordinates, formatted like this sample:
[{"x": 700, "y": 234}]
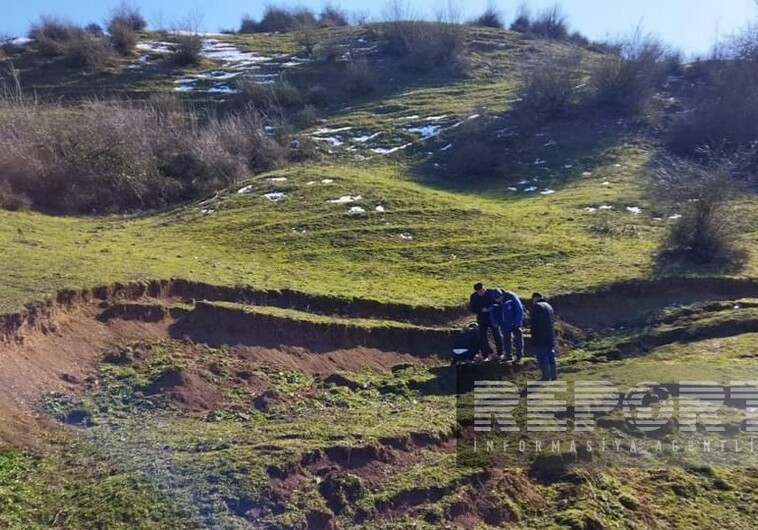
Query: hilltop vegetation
[{"x": 375, "y": 170}]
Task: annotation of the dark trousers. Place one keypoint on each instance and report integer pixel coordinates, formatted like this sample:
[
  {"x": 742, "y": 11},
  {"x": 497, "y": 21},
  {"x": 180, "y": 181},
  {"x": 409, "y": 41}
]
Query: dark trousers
[
  {"x": 546, "y": 359},
  {"x": 484, "y": 325},
  {"x": 514, "y": 336}
]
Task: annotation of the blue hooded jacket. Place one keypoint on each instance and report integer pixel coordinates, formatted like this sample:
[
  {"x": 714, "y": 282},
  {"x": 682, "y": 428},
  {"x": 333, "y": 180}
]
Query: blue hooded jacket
[{"x": 509, "y": 313}]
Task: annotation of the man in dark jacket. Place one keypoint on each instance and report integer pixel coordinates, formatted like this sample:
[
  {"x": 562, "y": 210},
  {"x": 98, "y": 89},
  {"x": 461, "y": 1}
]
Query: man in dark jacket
[
  {"x": 543, "y": 336},
  {"x": 480, "y": 303}
]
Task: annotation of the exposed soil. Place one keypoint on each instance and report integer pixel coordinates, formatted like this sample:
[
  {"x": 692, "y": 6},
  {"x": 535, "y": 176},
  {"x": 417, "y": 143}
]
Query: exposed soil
[{"x": 56, "y": 345}]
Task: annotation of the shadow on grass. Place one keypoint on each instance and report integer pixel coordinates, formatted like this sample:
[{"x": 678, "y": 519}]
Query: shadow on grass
[{"x": 494, "y": 153}]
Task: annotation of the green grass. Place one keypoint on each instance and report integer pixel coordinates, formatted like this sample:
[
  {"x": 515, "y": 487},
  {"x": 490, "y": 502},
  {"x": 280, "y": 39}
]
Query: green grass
[{"x": 305, "y": 243}]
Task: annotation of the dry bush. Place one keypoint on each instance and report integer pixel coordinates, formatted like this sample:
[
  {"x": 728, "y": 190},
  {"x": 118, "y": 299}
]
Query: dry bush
[
  {"x": 306, "y": 117},
  {"x": 523, "y": 21},
  {"x": 491, "y": 18},
  {"x": 88, "y": 52},
  {"x": 187, "y": 49},
  {"x": 709, "y": 229},
  {"x": 550, "y": 24},
  {"x": 248, "y": 25},
  {"x": 112, "y": 156},
  {"x": 425, "y": 46},
  {"x": 551, "y": 87},
  {"x": 725, "y": 102},
  {"x": 123, "y": 38},
  {"x": 360, "y": 79},
  {"x": 52, "y": 35},
  {"x": 307, "y": 36},
  {"x": 127, "y": 16},
  {"x": 624, "y": 83},
  {"x": 275, "y": 19},
  {"x": 331, "y": 16},
  {"x": 273, "y": 99}
]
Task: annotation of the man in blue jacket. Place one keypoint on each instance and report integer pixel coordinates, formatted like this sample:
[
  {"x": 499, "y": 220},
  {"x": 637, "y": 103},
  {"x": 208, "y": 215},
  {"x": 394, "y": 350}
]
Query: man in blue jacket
[
  {"x": 480, "y": 303},
  {"x": 543, "y": 336},
  {"x": 510, "y": 318}
]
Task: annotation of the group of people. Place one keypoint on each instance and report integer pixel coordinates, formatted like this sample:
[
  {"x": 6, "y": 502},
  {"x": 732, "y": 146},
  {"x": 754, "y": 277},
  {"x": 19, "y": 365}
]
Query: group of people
[{"x": 501, "y": 312}]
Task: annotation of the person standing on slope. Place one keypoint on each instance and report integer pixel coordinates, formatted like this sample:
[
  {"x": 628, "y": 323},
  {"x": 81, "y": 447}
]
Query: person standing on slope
[
  {"x": 480, "y": 303},
  {"x": 543, "y": 336},
  {"x": 510, "y": 317}
]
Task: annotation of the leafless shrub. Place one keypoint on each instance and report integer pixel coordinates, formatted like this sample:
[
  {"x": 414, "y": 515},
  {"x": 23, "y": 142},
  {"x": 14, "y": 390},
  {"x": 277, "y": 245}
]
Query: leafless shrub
[
  {"x": 552, "y": 87},
  {"x": 273, "y": 99},
  {"x": 187, "y": 49},
  {"x": 523, "y": 21},
  {"x": 625, "y": 82},
  {"x": 359, "y": 78},
  {"x": 491, "y": 18},
  {"x": 424, "y": 46},
  {"x": 709, "y": 229},
  {"x": 332, "y": 16},
  {"x": 248, "y": 25},
  {"x": 106, "y": 156},
  {"x": 724, "y": 113},
  {"x": 550, "y": 24},
  {"x": 88, "y": 52},
  {"x": 128, "y": 16},
  {"x": 123, "y": 38},
  {"x": 307, "y": 35},
  {"x": 51, "y": 35}
]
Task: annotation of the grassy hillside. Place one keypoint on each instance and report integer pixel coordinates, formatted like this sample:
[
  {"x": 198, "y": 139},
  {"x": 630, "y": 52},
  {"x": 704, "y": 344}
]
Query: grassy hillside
[{"x": 407, "y": 191}]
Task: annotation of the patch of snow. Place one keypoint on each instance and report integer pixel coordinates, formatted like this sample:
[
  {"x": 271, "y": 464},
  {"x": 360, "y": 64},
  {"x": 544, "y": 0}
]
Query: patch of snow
[
  {"x": 522, "y": 182},
  {"x": 448, "y": 146},
  {"x": 310, "y": 183},
  {"x": 539, "y": 162},
  {"x": 327, "y": 181},
  {"x": 207, "y": 210},
  {"x": 530, "y": 189},
  {"x": 657, "y": 218},
  {"x": 590, "y": 209},
  {"x": 228, "y": 53},
  {"x": 21, "y": 42},
  {"x": 511, "y": 188},
  {"x": 406, "y": 236},
  {"x": 605, "y": 207},
  {"x": 616, "y": 165},
  {"x": 221, "y": 89},
  {"x": 356, "y": 209},
  {"x": 568, "y": 166},
  {"x": 246, "y": 189},
  {"x": 675, "y": 216},
  {"x": 551, "y": 143},
  {"x": 336, "y": 141},
  {"x": 299, "y": 230},
  {"x": 365, "y": 138},
  {"x": 427, "y": 131},
  {"x": 634, "y": 210},
  {"x": 326, "y": 130},
  {"x": 547, "y": 192},
  {"x": 406, "y": 118},
  {"x": 473, "y": 117},
  {"x": 274, "y": 196},
  {"x": 345, "y": 199},
  {"x": 384, "y": 151},
  {"x": 277, "y": 179},
  {"x": 587, "y": 174},
  {"x": 436, "y": 118},
  {"x": 380, "y": 208},
  {"x": 155, "y": 47}
]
